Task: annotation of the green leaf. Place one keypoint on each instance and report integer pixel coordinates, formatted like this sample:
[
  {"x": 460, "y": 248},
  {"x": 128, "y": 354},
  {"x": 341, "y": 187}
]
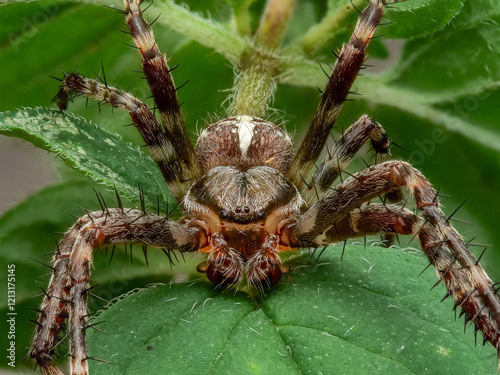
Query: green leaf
[
  {"x": 365, "y": 314},
  {"x": 416, "y": 18},
  {"x": 21, "y": 24},
  {"x": 34, "y": 46},
  {"x": 475, "y": 12},
  {"x": 100, "y": 154},
  {"x": 437, "y": 66}
]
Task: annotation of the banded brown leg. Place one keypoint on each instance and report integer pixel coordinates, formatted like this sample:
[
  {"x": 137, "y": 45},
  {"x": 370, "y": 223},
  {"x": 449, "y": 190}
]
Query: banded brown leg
[
  {"x": 161, "y": 83},
  {"x": 66, "y": 296},
  {"x": 349, "y": 62}
]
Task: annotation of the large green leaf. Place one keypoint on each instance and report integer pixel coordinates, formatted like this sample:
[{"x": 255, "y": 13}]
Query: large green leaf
[
  {"x": 432, "y": 16},
  {"x": 100, "y": 154},
  {"x": 435, "y": 65},
  {"x": 369, "y": 313}
]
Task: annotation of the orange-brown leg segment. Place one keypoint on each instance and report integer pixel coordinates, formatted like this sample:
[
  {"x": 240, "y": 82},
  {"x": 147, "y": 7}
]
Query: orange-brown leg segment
[{"x": 374, "y": 219}]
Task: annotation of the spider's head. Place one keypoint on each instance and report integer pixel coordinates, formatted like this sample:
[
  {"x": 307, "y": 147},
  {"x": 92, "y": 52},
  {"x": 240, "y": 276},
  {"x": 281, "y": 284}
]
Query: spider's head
[
  {"x": 259, "y": 197},
  {"x": 242, "y": 210}
]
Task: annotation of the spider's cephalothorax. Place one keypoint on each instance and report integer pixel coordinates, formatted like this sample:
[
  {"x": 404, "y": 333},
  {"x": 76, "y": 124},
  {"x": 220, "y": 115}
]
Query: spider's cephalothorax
[
  {"x": 243, "y": 198},
  {"x": 247, "y": 196}
]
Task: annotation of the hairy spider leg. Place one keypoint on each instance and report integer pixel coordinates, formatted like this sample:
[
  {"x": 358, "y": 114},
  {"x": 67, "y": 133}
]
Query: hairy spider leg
[
  {"x": 349, "y": 62},
  {"x": 473, "y": 295},
  {"x": 373, "y": 219},
  {"x": 66, "y": 296},
  {"x": 157, "y": 137},
  {"x": 164, "y": 93},
  {"x": 461, "y": 272},
  {"x": 340, "y": 155}
]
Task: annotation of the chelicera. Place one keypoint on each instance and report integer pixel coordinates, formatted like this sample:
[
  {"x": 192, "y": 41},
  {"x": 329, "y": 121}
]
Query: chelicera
[{"x": 247, "y": 196}]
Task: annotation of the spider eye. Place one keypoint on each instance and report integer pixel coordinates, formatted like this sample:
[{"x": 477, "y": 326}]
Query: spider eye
[
  {"x": 246, "y": 209},
  {"x": 238, "y": 209},
  {"x": 261, "y": 214},
  {"x": 223, "y": 214}
]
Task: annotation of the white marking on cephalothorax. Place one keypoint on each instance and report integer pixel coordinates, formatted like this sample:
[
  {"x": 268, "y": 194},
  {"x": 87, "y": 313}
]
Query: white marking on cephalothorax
[
  {"x": 203, "y": 134},
  {"x": 245, "y": 126}
]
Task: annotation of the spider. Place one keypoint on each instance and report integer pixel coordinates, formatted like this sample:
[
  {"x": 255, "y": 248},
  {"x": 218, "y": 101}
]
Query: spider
[{"x": 247, "y": 197}]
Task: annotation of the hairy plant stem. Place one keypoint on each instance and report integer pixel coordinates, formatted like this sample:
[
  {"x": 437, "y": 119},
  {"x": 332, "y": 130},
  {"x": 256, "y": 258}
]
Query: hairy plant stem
[
  {"x": 303, "y": 72},
  {"x": 394, "y": 96},
  {"x": 256, "y": 84}
]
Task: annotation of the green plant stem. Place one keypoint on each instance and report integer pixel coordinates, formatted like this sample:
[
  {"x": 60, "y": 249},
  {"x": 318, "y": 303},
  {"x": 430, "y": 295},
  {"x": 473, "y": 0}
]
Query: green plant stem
[
  {"x": 400, "y": 98},
  {"x": 241, "y": 18},
  {"x": 256, "y": 84},
  {"x": 207, "y": 33},
  {"x": 329, "y": 27},
  {"x": 273, "y": 23}
]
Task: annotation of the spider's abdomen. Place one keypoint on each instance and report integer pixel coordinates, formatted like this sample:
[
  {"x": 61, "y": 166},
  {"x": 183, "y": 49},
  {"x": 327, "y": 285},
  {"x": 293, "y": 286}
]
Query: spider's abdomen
[{"x": 244, "y": 142}]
